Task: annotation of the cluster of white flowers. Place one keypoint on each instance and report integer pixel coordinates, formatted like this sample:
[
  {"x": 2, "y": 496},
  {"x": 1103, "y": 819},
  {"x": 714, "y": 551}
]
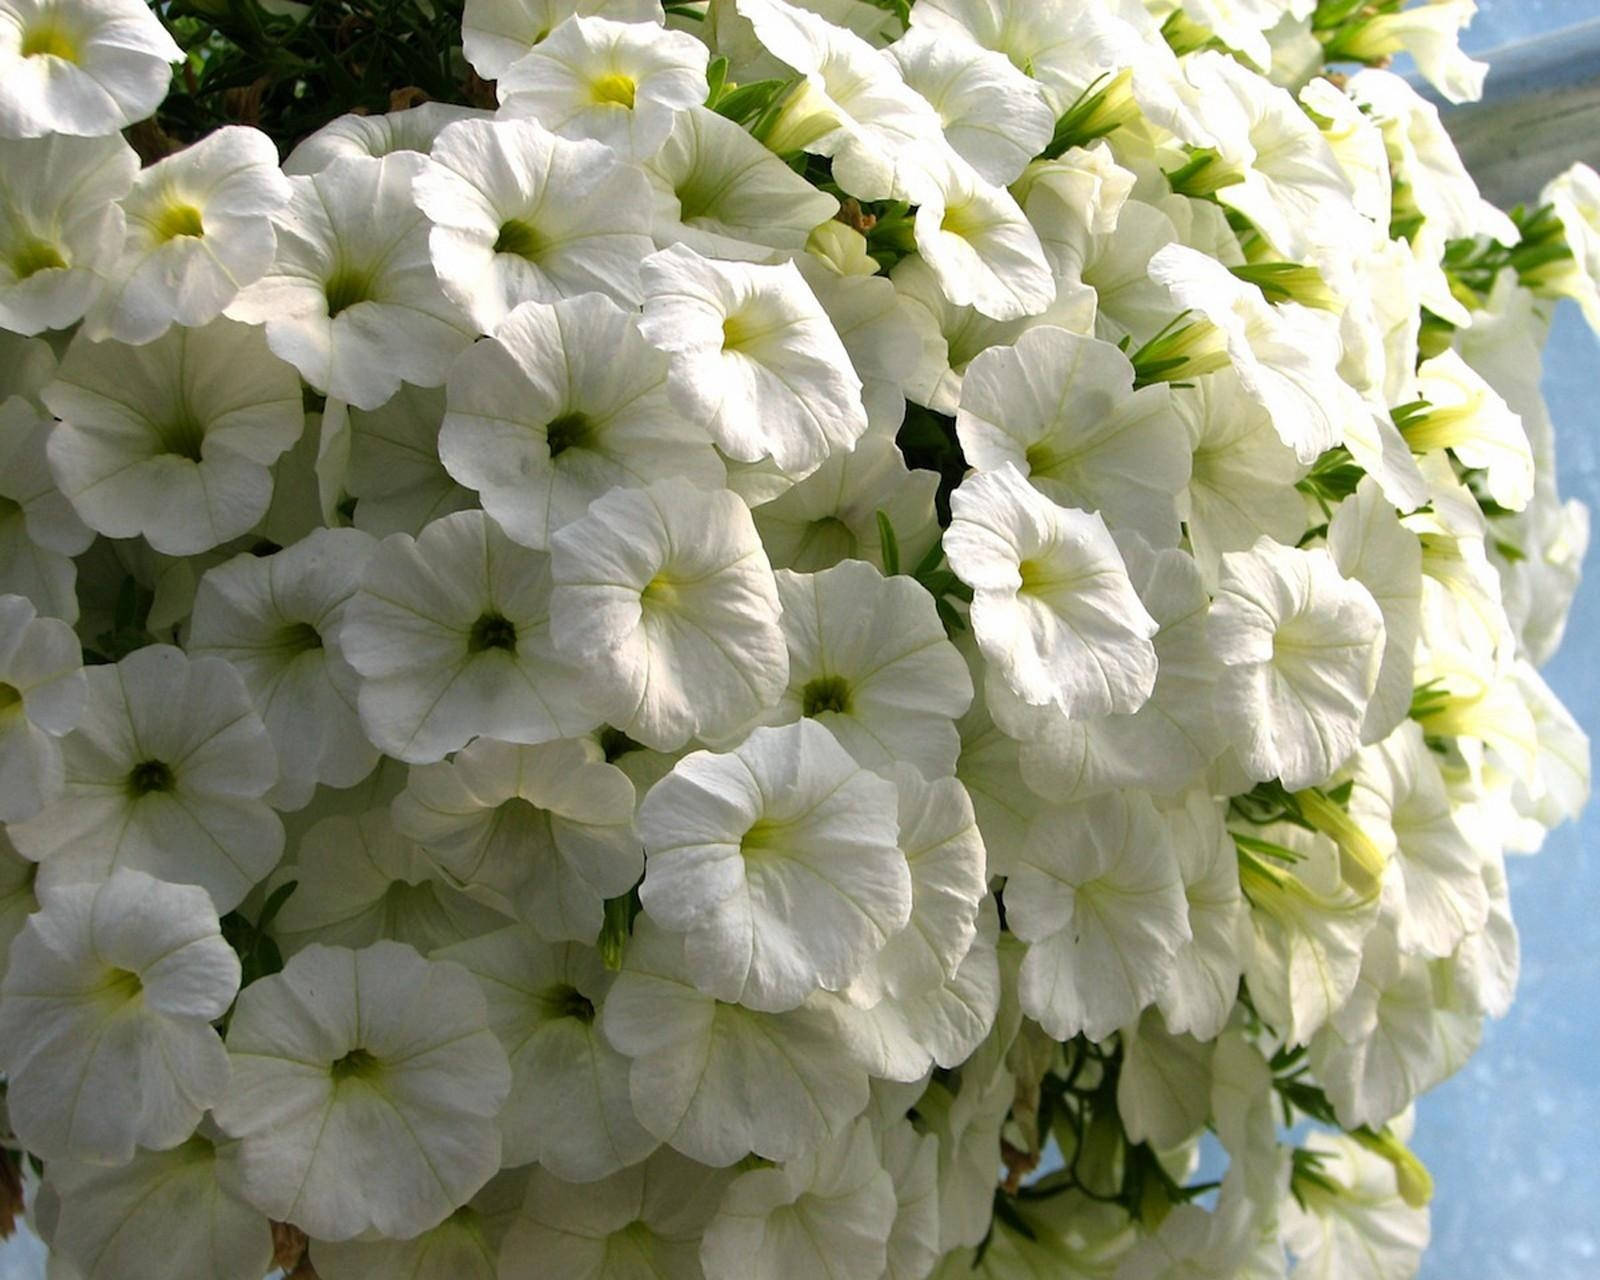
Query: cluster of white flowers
[{"x": 679, "y": 678}]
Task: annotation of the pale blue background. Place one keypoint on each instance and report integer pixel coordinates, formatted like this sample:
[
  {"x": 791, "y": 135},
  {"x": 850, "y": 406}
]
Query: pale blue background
[{"x": 1512, "y": 1140}]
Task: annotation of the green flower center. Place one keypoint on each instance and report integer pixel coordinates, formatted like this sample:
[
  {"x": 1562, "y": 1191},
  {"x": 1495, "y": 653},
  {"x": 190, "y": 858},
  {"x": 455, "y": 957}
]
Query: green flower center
[
  {"x": 613, "y": 88},
  {"x": 520, "y": 239},
  {"x": 358, "y": 1064},
  {"x": 824, "y": 543},
  {"x": 565, "y": 1001},
  {"x": 346, "y": 287},
  {"x": 184, "y": 437},
  {"x": 49, "y": 41},
  {"x": 34, "y": 255},
  {"x": 961, "y": 220},
  {"x": 121, "y": 985},
  {"x": 492, "y": 631},
  {"x": 762, "y": 837},
  {"x": 10, "y": 699},
  {"x": 698, "y": 194},
  {"x": 178, "y": 220},
  {"x": 659, "y": 592},
  {"x": 569, "y": 431},
  {"x": 826, "y": 693},
  {"x": 298, "y": 638},
  {"x": 149, "y": 776}
]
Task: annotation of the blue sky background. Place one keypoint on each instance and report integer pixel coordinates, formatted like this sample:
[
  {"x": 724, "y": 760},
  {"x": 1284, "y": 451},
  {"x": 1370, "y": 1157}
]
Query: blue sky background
[{"x": 1512, "y": 1140}]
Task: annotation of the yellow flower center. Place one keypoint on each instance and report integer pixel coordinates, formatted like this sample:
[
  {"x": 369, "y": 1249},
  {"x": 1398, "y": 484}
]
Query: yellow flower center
[
  {"x": 178, "y": 219},
  {"x": 49, "y": 41},
  {"x": 34, "y": 255},
  {"x": 614, "y": 88}
]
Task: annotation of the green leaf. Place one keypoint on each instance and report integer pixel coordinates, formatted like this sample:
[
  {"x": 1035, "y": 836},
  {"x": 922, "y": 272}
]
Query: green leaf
[{"x": 891, "y": 544}]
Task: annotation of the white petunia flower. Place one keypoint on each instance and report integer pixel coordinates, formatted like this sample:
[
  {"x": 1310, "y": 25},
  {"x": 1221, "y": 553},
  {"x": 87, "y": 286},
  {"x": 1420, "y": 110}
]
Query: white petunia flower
[
  {"x": 1200, "y": 994},
  {"x": 1422, "y": 157},
  {"x": 1243, "y": 24},
  {"x": 105, "y": 1018},
  {"x": 352, "y": 299},
  {"x": 646, "y": 1220},
  {"x": 276, "y": 619},
  {"x": 465, "y": 1246},
  {"x": 832, "y": 514},
  {"x": 562, "y": 404},
  {"x": 548, "y": 829},
  {"x": 940, "y": 840},
  {"x": 1431, "y": 34},
  {"x": 990, "y": 769},
  {"x": 519, "y": 214},
  {"x": 1575, "y": 197},
  {"x": 450, "y": 633},
  {"x": 1382, "y": 1048},
  {"x": 164, "y": 774},
  {"x": 1052, "y": 608},
  {"x": 1284, "y": 355},
  {"x": 902, "y": 1038},
  {"x": 968, "y": 1125},
  {"x": 911, "y": 1159},
  {"x": 1467, "y": 416},
  {"x": 1242, "y": 477},
  {"x": 1290, "y": 185},
  {"x": 868, "y": 659},
  {"x": 1433, "y": 882},
  {"x": 620, "y": 83},
  {"x": 87, "y": 68},
  {"x": 17, "y": 900},
  {"x": 365, "y": 1086},
  {"x": 994, "y": 116},
  {"x": 721, "y": 193},
  {"x": 495, "y": 33},
  {"x": 1164, "y": 1088},
  {"x": 172, "y": 441},
  {"x": 1300, "y": 648},
  {"x": 1371, "y": 547},
  {"x": 1309, "y": 929},
  {"x": 717, "y": 1081},
  {"x": 1074, "y": 49},
  {"x": 394, "y": 471},
  {"x": 1113, "y": 268},
  {"x": 1063, "y": 410},
  {"x": 1098, "y": 895},
  {"x": 358, "y": 881},
  {"x": 852, "y": 104},
  {"x": 753, "y": 357},
  {"x": 666, "y": 598},
  {"x": 980, "y": 246},
  {"x": 39, "y": 531},
  {"x": 413, "y": 129},
  {"x": 569, "y": 1108},
  {"x": 1354, "y": 1222},
  {"x": 199, "y": 229},
  {"x": 42, "y": 694},
  {"x": 829, "y": 1213},
  {"x": 951, "y": 336},
  {"x": 880, "y": 339},
  {"x": 60, "y": 224},
  {"x": 1164, "y": 745},
  {"x": 163, "y": 1214},
  {"x": 780, "y": 864}
]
